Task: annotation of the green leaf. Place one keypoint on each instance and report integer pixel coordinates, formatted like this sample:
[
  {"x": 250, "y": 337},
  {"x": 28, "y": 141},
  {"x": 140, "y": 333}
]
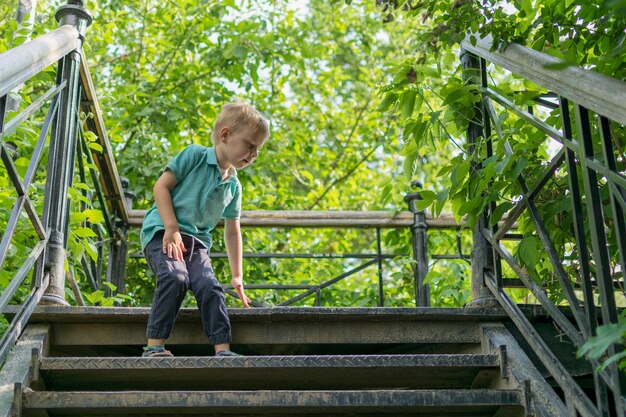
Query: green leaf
[
  {"x": 615, "y": 358},
  {"x": 81, "y": 186},
  {"x": 445, "y": 170},
  {"x": 94, "y": 216},
  {"x": 426, "y": 71},
  {"x": 528, "y": 251},
  {"x": 418, "y": 132},
  {"x": 386, "y": 193},
  {"x": 499, "y": 212},
  {"x": 606, "y": 335},
  {"x": 409, "y": 166},
  {"x": 423, "y": 204},
  {"x": 96, "y": 147},
  {"x": 442, "y": 196},
  {"x": 459, "y": 173},
  {"x": 84, "y": 232},
  {"x": 388, "y": 102},
  {"x": 91, "y": 250},
  {"x": 21, "y": 162},
  {"x": 95, "y": 297},
  {"x": 453, "y": 94},
  {"x": 428, "y": 195},
  {"x": 432, "y": 277},
  {"x": 520, "y": 165},
  {"x": 407, "y": 103},
  {"x": 75, "y": 248}
]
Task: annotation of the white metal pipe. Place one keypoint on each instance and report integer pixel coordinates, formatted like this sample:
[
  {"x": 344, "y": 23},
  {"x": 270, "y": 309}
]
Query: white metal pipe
[{"x": 21, "y": 63}]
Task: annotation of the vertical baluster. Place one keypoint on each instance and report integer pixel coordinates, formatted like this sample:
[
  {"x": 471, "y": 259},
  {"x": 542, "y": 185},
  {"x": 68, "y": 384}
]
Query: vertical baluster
[
  {"x": 419, "y": 236},
  {"x": 619, "y": 219},
  {"x": 616, "y": 191},
  {"x": 62, "y": 155},
  {"x": 381, "y": 293},
  {"x": 482, "y": 252},
  {"x": 595, "y": 215},
  {"x": 581, "y": 245},
  {"x": 3, "y": 111}
]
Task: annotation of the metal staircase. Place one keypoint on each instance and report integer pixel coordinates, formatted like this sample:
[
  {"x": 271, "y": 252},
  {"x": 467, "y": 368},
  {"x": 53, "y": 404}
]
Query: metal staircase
[{"x": 337, "y": 361}]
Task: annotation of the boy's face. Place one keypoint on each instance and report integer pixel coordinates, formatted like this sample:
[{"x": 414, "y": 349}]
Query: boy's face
[{"x": 240, "y": 148}]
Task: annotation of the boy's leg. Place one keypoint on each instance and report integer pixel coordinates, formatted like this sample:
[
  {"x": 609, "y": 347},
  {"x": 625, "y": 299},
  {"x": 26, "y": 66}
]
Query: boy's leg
[
  {"x": 210, "y": 297},
  {"x": 172, "y": 282}
]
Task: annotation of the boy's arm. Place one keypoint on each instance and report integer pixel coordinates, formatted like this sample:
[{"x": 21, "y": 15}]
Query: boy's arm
[
  {"x": 232, "y": 236},
  {"x": 172, "y": 240}
]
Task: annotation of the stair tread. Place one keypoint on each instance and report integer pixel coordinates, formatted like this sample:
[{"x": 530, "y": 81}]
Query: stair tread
[
  {"x": 292, "y": 361},
  {"x": 271, "y": 372},
  {"x": 307, "y": 401},
  {"x": 56, "y": 314}
]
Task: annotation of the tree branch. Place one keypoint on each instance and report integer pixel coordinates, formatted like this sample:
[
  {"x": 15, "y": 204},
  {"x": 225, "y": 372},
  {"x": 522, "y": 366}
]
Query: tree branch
[
  {"x": 171, "y": 58},
  {"x": 354, "y": 168},
  {"x": 354, "y": 126},
  {"x": 343, "y": 177},
  {"x": 117, "y": 58}
]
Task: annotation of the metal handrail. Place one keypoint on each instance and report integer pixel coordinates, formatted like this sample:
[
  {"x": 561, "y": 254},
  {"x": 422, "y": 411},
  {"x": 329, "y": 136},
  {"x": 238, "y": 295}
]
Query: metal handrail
[
  {"x": 349, "y": 220},
  {"x": 47, "y": 258},
  {"x": 23, "y": 62},
  {"x": 597, "y": 92},
  {"x": 314, "y": 219},
  {"x": 583, "y": 90}
]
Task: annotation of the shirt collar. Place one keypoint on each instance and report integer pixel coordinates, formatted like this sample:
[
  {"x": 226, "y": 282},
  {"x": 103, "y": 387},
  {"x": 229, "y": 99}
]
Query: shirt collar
[{"x": 211, "y": 159}]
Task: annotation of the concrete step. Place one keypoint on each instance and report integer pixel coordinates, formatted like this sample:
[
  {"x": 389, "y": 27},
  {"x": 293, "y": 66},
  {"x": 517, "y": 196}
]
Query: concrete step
[
  {"x": 271, "y": 372},
  {"x": 95, "y": 331},
  {"x": 432, "y": 403}
]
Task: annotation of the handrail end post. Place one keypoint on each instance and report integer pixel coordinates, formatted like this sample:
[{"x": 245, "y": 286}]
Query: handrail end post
[
  {"x": 419, "y": 234},
  {"x": 74, "y": 14},
  {"x": 55, "y": 264}
]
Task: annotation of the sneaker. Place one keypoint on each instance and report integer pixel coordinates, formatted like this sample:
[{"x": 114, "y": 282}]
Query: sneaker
[
  {"x": 227, "y": 352},
  {"x": 155, "y": 351}
]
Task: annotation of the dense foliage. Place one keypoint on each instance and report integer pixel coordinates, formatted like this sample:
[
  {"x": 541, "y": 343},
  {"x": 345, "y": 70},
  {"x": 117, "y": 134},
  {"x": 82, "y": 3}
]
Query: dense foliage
[{"x": 162, "y": 73}]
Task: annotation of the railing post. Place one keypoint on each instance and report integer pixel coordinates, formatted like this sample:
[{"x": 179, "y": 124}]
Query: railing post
[
  {"x": 62, "y": 155},
  {"x": 419, "y": 235},
  {"x": 482, "y": 252},
  {"x": 116, "y": 268}
]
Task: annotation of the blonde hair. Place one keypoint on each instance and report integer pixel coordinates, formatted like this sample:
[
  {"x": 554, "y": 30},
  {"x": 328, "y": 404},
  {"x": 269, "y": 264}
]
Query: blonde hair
[{"x": 239, "y": 116}]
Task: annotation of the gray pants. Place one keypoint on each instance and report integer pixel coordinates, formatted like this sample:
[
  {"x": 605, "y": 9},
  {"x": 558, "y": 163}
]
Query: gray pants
[{"x": 174, "y": 278}]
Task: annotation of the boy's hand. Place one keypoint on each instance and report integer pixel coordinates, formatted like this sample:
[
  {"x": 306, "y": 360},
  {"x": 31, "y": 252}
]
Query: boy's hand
[
  {"x": 173, "y": 245},
  {"x": 237, "y": 284}
]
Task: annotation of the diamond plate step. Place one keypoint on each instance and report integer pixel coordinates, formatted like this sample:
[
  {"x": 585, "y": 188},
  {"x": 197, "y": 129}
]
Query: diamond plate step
[
  {"x": 442, "y": 403},
  {"x": 271, "y": 372}
]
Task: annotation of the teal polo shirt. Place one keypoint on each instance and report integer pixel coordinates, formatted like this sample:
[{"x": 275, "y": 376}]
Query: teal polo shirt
[{"x": 200, "y": 197}]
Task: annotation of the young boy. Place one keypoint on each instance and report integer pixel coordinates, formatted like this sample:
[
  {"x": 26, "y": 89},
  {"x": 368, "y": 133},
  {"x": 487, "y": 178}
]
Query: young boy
[{"x": 197, "y": 188}]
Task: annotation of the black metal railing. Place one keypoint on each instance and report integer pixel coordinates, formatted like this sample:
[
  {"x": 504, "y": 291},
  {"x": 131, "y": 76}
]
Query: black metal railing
[
  {"x": 417, "y": 220},
  {"x": 587, "y": 171},
  {"x": 69, "y": 100}
]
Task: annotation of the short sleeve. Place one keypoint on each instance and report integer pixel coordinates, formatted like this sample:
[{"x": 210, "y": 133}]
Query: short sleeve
[
  {"x": 233, "y": 209},
  {"x": 184, "y": 162}
]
